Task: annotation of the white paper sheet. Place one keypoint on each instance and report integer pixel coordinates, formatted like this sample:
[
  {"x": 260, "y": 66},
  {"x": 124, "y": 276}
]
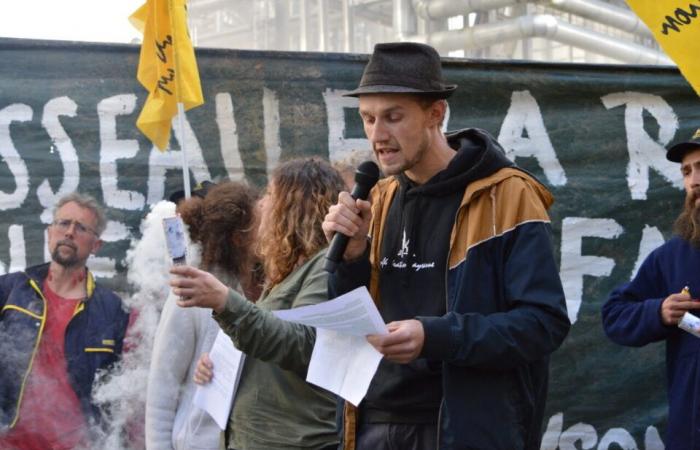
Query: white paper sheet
[
  {"x": 342, "y": 361},
  {"x": 690, "y": 323},
  {"x": 343, "y": 364},
  {"x": 352, "y": 313},
  {"x": 216, "y": 397}
]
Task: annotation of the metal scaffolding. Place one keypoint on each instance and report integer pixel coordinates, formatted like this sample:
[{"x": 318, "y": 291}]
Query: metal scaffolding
[{"x": 592, "y": 31}]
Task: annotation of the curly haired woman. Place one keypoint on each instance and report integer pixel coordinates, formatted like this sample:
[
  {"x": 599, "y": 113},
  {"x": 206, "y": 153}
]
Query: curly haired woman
[
  {"x": 274, "y": 407},
  {"x": 222, "y": 225}
]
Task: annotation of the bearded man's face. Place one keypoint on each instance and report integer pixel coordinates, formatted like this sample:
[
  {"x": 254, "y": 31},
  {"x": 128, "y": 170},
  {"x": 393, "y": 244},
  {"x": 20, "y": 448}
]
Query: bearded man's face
[{"x": 687, "y": 225}]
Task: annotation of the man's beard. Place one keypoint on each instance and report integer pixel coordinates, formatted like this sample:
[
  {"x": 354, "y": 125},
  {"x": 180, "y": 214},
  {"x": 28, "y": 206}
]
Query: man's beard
[
  {"x": 67, "y": 261},
  {"x": 408, "y": 164},
  {"x": 687, "y": 225}
]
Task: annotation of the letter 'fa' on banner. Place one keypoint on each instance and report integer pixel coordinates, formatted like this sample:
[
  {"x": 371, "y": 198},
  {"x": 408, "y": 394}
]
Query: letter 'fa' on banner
[
  {"x": 167, "y": 67},
  {"x": 676, "y": 27}
]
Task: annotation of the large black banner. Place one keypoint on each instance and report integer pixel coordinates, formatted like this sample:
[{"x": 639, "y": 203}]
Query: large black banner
[{"x": 595, "y": 135}]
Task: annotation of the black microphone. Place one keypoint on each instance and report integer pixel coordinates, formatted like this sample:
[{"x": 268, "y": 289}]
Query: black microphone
[{"x": 366, "y": 177}]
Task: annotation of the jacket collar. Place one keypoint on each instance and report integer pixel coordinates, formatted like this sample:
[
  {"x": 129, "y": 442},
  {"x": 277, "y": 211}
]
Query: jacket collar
[{"x": 39, "y": 273}]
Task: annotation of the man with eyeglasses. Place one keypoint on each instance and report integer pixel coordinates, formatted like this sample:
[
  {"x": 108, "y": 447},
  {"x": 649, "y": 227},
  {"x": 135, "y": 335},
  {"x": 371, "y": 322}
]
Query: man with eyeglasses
[{"x": 57, "y": 330}]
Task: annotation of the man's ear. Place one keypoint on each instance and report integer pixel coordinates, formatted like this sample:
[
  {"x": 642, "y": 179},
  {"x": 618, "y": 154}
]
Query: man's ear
[
  {"x": 96, "y": 246},
  {"x": 437, "y": 112}
]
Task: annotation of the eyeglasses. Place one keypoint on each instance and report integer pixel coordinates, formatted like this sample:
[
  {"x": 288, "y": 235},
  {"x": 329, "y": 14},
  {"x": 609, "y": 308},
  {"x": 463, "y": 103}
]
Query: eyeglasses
[{"x": 65, "y": 224}]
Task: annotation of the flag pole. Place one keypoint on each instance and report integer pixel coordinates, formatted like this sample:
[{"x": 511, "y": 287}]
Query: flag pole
[
  {"x": 183, "y": 149},
  {"x": 180, "y": 107}
]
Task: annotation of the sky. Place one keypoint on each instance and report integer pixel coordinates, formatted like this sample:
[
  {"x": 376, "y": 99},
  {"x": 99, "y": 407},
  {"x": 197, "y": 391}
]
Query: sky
[{"x": 75, "y": 20}]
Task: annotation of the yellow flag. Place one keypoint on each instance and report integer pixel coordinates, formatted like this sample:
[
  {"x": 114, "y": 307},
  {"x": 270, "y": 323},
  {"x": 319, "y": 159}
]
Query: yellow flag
[
  {"x": 167, "y": 67},
  {"x": 676, "y": 27}
]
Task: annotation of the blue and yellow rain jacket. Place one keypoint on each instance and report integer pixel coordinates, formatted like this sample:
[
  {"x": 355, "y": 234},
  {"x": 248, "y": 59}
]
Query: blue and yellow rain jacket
[{"x": 93, "y": 339}]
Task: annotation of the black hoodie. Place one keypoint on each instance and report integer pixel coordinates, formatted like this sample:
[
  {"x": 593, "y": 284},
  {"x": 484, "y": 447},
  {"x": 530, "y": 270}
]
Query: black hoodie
[{"x": 413, "y": 261}]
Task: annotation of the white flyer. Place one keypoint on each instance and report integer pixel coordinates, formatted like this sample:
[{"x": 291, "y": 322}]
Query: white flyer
[
  {"x": 216, "y": 397},
  {"x": 342, "y": 361},
  {"x": 353, "y": 313},
  {"x": 343, "y": 364},
  {"x": 690, "y": 323}
]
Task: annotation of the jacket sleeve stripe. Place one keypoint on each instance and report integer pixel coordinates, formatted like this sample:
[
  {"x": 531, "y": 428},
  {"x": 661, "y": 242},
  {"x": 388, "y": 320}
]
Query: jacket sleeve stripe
[
  {"x": 98, "y": 350},
  {"x": 22, "y": 310}
]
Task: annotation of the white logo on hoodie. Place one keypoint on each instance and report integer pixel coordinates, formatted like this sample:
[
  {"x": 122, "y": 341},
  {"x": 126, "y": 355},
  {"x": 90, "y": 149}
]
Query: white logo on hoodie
[{"x": 404, "y": 246}]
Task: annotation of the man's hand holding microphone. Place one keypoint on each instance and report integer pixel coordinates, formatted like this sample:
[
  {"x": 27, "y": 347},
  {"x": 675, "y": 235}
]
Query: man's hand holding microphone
[{"x": 346, "y": 227}]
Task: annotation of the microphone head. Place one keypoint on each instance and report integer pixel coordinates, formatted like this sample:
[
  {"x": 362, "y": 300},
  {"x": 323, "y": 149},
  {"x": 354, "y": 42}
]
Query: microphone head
[{"x": 367, "y": 174}]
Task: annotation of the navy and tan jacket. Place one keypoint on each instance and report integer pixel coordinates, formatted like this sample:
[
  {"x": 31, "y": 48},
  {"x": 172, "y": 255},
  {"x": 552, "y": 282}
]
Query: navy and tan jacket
[
  {"x": 505, "y": 309},
  {"x": 93, "y": 340}
]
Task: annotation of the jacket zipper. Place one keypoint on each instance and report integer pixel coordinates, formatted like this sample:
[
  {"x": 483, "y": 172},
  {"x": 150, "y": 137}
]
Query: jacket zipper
[
  {"x": 447, "y": 270},
  {"x": 438, "y": 424},
  {"x": 79, "y": 308},
  {"x": 447, "y": 266}
]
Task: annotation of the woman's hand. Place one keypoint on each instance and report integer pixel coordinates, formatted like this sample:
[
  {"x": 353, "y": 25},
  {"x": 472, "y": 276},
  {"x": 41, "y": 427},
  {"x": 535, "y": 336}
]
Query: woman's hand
[
  {"x": 198, "y": 288},
  {"x": 204, "y": 371}
]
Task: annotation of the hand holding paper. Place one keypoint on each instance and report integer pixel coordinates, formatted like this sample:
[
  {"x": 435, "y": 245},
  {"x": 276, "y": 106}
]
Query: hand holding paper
[
  {"x": 216, "y": 397},
  {"x": 404, "y": 342},
  {"x": 675, "y": 305},
  {"x": 342, "y": 361}
]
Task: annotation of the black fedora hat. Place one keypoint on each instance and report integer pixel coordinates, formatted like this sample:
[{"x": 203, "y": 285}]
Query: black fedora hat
[
  {"x": 403, "y": 68},
  {"x": 200, "y": 190},
  {"x": 678, "y": 151}
]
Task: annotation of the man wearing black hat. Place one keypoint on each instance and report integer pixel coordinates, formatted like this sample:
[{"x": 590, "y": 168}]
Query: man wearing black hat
[
  {"x": 199, "y": 190},
  {"x": 649, "y": 308},
  {"x": 460, "y": 264}
]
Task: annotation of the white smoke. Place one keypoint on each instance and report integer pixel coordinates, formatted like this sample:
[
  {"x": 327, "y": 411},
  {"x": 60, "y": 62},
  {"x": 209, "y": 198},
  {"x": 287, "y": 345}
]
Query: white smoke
[{"x": 123, "y": 390}]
